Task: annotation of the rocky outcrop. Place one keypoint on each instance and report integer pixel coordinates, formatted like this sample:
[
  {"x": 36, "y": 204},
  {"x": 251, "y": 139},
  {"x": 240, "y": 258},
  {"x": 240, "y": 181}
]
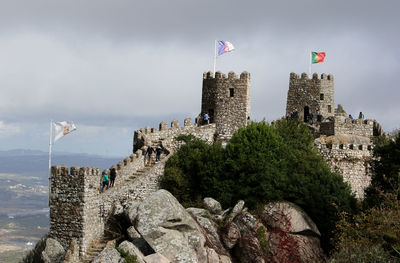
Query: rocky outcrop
[
  {"x": 109, "y": 255},
  {"x": 160, "y": 230},
  {"x": 53, "y": 252}
]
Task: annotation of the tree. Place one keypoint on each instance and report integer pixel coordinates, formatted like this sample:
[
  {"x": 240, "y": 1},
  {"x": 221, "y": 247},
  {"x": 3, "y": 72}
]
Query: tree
[
  {"x": 262, "y": 163},
  {"x": 385, "y": 166}
]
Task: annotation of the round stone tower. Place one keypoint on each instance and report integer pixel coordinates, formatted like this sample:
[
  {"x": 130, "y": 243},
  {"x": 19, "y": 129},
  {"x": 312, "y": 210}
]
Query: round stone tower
[
  {"x": 227, "y": 102},
  {"x": 311, "y": 95}
]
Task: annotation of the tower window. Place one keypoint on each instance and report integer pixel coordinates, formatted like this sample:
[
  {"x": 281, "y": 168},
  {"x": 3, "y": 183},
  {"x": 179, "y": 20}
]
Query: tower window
[
  {"x": 321, "y": 96},
  {"x": 231, "y": 92},
  {"x": 329, "y": 108}
]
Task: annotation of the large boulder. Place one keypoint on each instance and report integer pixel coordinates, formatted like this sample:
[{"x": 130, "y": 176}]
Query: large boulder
[
  {"x": 53, "y": 252},
  {"x": 293, "y": 236},
  {"x": 212, "y": 205},
  {"x": 169, "y": 229},
  {"x": 288, "y": 217},
  {"x": 132, "y": 250},
  {"x": 109, "y": 255}
]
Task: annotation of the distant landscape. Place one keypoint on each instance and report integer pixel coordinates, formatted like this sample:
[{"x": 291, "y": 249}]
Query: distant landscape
[{"x": 24, "y": 211}]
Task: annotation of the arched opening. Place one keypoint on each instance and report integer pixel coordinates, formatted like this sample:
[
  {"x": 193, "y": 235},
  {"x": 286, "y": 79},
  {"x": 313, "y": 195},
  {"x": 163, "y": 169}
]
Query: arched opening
[{"x": 306, "y": 113}]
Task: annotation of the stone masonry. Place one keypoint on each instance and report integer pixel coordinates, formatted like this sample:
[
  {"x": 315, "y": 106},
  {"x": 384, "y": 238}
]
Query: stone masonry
[
  {"x": 227, "y": 101},
  {"x": 345, "y": 144},
  {"x": 310, "y": 95}
]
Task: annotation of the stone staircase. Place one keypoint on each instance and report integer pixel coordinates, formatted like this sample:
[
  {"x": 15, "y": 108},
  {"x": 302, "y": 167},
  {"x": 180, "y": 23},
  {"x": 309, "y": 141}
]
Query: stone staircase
[
  {"x": 108, "y": 240},
  {"x": 109, "y": 237}
]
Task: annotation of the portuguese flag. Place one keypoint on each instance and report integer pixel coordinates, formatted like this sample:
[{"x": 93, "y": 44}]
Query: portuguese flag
[{"x": 317, "y": 57}]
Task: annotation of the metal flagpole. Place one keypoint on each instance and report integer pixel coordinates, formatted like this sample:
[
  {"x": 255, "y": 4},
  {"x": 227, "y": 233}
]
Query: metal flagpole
[
  {"x": 50, "y": 144},
  {"x": 215, "y": 54},
  {"x": 309, "y": 68}
]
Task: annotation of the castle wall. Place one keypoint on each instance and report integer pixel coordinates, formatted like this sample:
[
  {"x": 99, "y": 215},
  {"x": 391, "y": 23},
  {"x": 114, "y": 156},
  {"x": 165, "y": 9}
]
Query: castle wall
[
  {"x": 316, "y": 94},
  {"x": 351, "y": 163},
  {"x": 227, "y": 101},
  {"x": 342, "y": 125},
  {"x": 166, "y": 135},
  {"x": 74, "y": 203}
]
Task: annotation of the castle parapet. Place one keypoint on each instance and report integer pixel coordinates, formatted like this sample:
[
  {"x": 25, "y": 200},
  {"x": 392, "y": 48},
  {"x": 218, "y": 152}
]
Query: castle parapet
[
  {"x": 73, "y": 199},
  {"x": 231, "y": 75},
  {"x": 166, "y": 135},
  {"x": 304, "y": 76}
]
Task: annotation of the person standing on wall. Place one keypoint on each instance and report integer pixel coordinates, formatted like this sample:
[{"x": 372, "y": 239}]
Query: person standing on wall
[
  {"x": 206, "y": 118},
  {"x": 149, "y": 152},
  {"x": 105, "y": 181},
  {"x": 361, "y": 115},
  {"x": 113, "y": 175},
  {"x": 158, "y": 153}
]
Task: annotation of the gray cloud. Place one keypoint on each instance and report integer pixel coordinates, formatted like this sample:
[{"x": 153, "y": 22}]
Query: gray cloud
[{"x": 126, "y": 64}]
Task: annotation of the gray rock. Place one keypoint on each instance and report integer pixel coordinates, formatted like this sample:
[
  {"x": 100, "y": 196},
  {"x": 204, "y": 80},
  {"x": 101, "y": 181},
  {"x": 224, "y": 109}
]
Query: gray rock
[
  {"x": 288, "y": 217},
  {"x": 212, "y": 205},
  {"x": 198, "y": 212},
  {"x": 72, "y": 254},
  {"x": 132, "y": 250},
  {"x": 169, "y": 229},
  {"x": 109, "y": 255},
  {"x": 156, "y": 258},
  {"x": 231, "y": 235},
  {"x": 118, "y": 209},
  {"x": 53, "y": 252},
  {"x": 132, "y": 233},
  {"x": 131, "y": 211},
  {"x": 237, "y": 208}
]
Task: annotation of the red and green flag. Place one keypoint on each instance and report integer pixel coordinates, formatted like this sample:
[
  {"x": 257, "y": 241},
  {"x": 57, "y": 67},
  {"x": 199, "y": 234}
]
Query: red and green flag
[{"x": 317, "y": 57}]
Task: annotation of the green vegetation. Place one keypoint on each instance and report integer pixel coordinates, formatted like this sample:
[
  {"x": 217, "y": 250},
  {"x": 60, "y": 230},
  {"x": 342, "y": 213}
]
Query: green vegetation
[
  {"x": 128, "y": 257},
  {"x": 385, "y": 171},
  {"x": 263, "y": 239},
  {"x": 261, "y": 163},
  {"x": 376, "y": 228}
]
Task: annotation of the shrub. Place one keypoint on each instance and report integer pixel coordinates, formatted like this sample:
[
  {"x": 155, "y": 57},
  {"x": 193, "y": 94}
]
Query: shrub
[
  {"x": 261, "y": 163},
  {"x": 385, "y": 171}
]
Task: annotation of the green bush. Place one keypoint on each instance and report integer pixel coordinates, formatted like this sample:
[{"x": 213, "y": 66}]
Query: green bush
[
  {"x": 128, "y": 257},
  {"x": 261, "y": 163},
  {"x": 361, "y": 254},
  {"x": 385, "y": 171}
]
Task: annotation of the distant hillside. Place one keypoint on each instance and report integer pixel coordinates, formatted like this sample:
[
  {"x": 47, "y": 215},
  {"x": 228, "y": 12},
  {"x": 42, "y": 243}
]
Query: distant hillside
[{"x": 22, "y": 161}]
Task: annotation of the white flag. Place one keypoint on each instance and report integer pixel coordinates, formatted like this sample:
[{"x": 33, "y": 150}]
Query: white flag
[{"x": 63, "y": 128}]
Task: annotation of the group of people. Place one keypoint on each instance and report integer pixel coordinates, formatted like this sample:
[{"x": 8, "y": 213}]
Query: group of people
[
  {"x": 149, "y": 153},
  {"x": 108, "y": 178},
  {"x": 360, "y": 116},
  {"x": 309, "y": 118}
]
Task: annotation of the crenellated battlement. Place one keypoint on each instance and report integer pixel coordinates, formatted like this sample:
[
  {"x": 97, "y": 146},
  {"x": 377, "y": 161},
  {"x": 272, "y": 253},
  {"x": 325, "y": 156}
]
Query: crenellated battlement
[
  {"x": 345, "y": 125},
  {"x": 348, "y": 155},
  {"x": 304, "y": 76},
  {"x": 311, "y": 95},
  {"x": 164, "y": 136},
  {"x": 244, "y": 76}
]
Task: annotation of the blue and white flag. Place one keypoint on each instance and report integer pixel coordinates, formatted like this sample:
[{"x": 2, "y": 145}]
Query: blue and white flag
[{"x": 224, "y": 46}]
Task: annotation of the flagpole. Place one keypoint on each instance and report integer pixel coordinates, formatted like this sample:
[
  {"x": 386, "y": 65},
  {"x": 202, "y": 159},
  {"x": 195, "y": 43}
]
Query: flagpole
[
  {"x": 215, "y": 54},
  {"x": 309, "y": 68},
  {"x": 50, "y": 144}
]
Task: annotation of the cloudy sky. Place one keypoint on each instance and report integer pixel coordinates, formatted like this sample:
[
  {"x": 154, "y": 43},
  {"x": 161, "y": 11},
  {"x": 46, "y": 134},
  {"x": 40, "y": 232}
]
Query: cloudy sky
[{"x": 115, "y": 66}]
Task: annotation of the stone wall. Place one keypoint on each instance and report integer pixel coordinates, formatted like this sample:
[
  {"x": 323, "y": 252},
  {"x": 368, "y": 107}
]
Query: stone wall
[
  {"x": 227, "y": 101},
  {"x": 77, "y": 208},
  {"x": 151, "y": 136},
  {"x": 74, "y": 205},
  {"x": 349, "y": 160},
  {"x": 316, "y": 94},
  {"x": 344, "y": 125}
]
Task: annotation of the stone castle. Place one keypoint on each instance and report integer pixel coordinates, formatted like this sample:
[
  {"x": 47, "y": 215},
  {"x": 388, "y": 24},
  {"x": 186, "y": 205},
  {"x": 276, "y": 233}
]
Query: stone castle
[{"x": 78, "y": 211}]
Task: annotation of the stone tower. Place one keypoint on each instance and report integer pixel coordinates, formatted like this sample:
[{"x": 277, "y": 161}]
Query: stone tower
[
  {"x": 227, "y": 101},
  {"x": 310, "y": 95}
]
